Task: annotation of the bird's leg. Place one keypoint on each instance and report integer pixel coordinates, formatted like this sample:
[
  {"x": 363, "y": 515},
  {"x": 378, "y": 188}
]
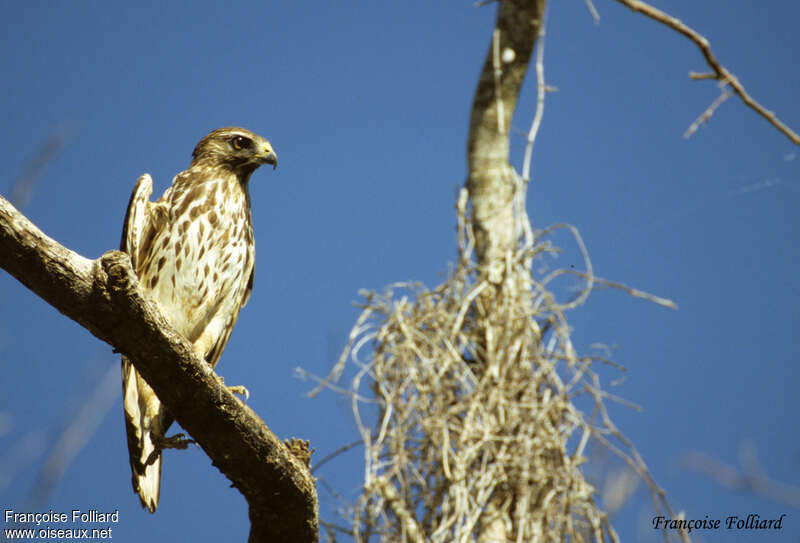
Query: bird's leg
[
  {"x": 178, "y": 441},
  {"x": 236, "y": 389}
]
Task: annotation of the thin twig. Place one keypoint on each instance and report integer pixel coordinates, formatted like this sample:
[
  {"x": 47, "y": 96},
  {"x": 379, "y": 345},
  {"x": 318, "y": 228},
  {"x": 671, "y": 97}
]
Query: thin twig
[
  {"x": 540, "y": 92},
  {"x": 593, "y": 11},
  {"x": 742, "y": 479},
  {"x": 334, "y": 454},
  {"x": 665, "y": 302},
  {"x": 22, "y": 190},
  {"x": 720, "y": 73},
  {"x": 75, "y": 436},
  {"x": 706, "y": 115}
]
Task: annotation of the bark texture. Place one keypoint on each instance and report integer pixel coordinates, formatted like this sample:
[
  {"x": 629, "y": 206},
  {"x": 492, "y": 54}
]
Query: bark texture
[
  {"x": 103, "y": 296},
  {"x": 491, "y": 182}
]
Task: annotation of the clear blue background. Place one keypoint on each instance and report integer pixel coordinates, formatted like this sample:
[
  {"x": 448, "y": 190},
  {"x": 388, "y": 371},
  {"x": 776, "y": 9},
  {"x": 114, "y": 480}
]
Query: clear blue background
[{"x": 367, "y": 105}]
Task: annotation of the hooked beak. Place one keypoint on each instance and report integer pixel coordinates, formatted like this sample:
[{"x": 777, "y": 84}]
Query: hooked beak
[{"x": 269, "y": 157}]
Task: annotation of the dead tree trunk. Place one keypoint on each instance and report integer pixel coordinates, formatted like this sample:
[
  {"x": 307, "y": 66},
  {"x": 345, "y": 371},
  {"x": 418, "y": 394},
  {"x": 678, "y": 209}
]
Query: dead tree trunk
[
  {"x": 490, "y": 180},
  {"x": 496, "y": 191}
]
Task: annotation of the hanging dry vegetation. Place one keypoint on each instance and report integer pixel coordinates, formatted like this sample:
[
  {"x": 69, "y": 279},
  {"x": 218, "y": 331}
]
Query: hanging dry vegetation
[
  {"x": 466, "y": 432},
  {"x": 464, "y": 395}
]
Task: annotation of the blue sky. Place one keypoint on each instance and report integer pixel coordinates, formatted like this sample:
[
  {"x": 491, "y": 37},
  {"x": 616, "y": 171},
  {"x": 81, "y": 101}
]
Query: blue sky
[{"x": 367, "y": 105}]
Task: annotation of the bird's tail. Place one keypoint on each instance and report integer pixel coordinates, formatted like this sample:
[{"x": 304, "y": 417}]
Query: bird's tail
[{"x": 145, "y": 423}]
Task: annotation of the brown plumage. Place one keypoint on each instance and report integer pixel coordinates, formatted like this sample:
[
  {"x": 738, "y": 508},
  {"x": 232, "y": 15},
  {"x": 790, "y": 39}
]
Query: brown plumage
[{"x": 194, "y": 254}]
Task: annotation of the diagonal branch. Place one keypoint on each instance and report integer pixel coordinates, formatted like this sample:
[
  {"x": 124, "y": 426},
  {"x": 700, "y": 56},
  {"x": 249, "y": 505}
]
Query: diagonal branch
[
  {"x": 720, "y": 73},
  {"x": 103, "y": 296}
]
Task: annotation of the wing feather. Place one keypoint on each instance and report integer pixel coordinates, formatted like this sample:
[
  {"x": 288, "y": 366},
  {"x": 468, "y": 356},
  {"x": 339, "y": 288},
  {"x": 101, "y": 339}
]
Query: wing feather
[
  {"x": 193, "y": 252},
  {"x": 145, "y": 417},
  {"x": 249, "y": 289},
  {"x": 136, "y": 218}
]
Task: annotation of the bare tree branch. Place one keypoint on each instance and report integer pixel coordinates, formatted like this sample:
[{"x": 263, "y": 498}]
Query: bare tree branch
[
  {"x": 75, "y": 435},
  {"x": 720, "y": 73},
  {"x": 593, "y": 12},
  {"x": 706, "y": 115},
  {"x": 747, "y": 478},
  {"x": 22, "y": 190},
  {"x": 103, "y": 296}
]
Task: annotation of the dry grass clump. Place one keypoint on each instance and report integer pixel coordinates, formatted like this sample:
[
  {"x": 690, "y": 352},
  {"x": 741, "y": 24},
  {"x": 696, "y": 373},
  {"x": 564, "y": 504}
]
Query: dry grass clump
[{"x": 463, "y": 396}]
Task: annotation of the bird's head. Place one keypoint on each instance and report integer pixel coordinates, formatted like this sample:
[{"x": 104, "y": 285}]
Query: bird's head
[{"x": 234, "y": 148}]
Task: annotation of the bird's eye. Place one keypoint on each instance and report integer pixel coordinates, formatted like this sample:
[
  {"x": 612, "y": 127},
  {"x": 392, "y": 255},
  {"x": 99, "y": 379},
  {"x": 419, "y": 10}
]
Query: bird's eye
[{"x": 240, "y": 143}]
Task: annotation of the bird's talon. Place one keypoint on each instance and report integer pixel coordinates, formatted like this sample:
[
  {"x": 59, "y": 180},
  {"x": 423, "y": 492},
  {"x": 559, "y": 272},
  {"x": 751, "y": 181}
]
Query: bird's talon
[
  {"x": 237, "y": 389},
  {"x": 241, "y": 391}
]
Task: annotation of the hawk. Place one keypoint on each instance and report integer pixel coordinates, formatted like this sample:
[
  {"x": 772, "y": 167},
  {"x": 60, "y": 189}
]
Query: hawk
[{"x": 194, "y": 255}]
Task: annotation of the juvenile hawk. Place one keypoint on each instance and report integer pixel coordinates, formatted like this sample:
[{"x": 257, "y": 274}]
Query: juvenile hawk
[{"x": 193, "y": 252}]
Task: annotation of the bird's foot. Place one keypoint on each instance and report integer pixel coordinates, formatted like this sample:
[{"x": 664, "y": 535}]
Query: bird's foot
[
  {"x": 236, "y": 389},
  {"x": 241, "y": 391},
  {"x": 178, "y": 441}
]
